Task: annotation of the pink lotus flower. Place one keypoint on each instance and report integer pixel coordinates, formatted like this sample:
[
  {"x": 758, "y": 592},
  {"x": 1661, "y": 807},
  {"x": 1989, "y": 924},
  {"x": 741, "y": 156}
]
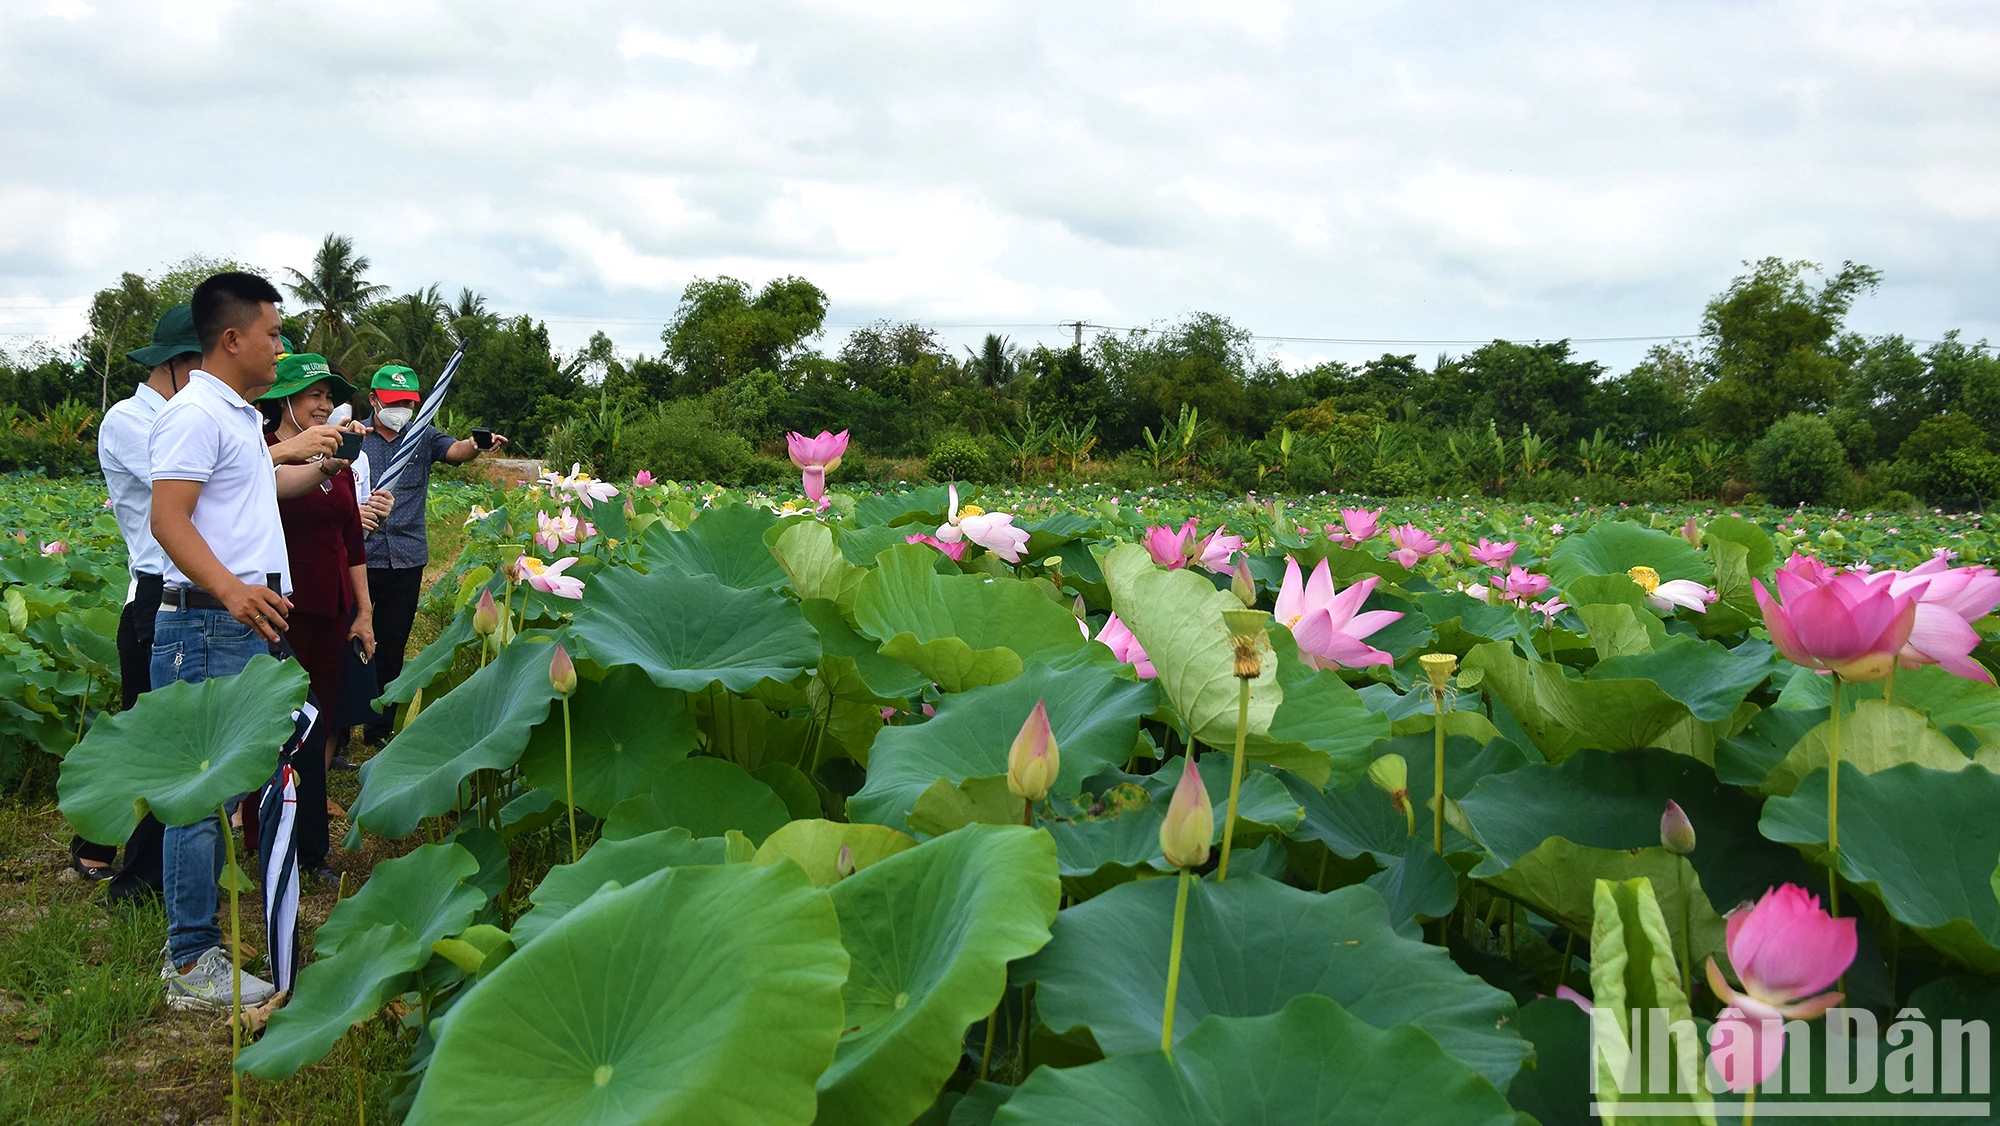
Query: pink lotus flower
[
  {"x": 1413, "y": 545},
  {"x": 55, "y": 547},
  {"x": 994, "y": 531},
  {"x": 1492, "y": 554},
  {"x": 816, "y": 457},
  {"x": 1565, "y": 993},
  {"x": 1691, "y": 532},
  {"x": 952, "y": 551},
  {"x": 553, "y": 531},
  {"x": 1949, "y": 601},
  {"x": 1548, "y": 609},
  {"x": 582, "y": 485},
  {"x": 548, "y": 577},
  {"x": 1216, "y": 549},
  {"x": 1358, "y": 525},
  {"x": 1521, "y": 585},
  {"x": 1844, "y": 625},
  {"x": 1169, "y": 546},
  {"x": 1685, "y": 593},
  {"x": 1784, "y": 950},
  {"x": 1800, "y": 573},
  {"x": 643, "y": 478},
  {"x": 1326, "y": 625},
  {"x": 1116, "y": 637}
]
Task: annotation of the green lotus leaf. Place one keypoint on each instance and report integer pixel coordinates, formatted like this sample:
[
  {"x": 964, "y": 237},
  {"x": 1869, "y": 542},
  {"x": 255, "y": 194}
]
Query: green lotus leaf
[
  {"x": 1874, "y": 737},
  {"x": 691, "y": 631},
  {"x": 800, "y": 796},
  {"x": 707, "y": 796},
  {"x": 1614, "y": 547},
  {"x": 1310, "y": 1062},
  {"x": 1460, "y": 621},
  {"x": 706, "y": 994},
  {"x": 182, "y": 751},
  {"x": 976, "y": 801},
  {"x": 962, "y": 631},
  {"x": 1322, "y": 728},
  {"x": 726, "y": 543},
  {"x": 1749, "y": 756},
  {"x": 1093, "y": 710},
  {"x": 1358, "y": 819},
  {"x": 854, "y": 662},
  {"x": 483, "y": 724},
  {"x": 1253, "y": 944},
  {"x": 930, "y": 931},
  {"x": 815, "y": 846},
  {"x": 921, "y": 506},
  {"x": 1758, "y": 551},
  {"x": 1120, "y": 825},
  {"x": 1924, "y": 842},
  {"x": 620, "y": 862},
  {"x": 625, "y": 731},
  {"x": 332, "y": 994},
  {"x": 1557, "y": 879},
  {"x": 1418, "y": 886},
  {"x": 1554, "y": 1087},
  {"x": 427, "y": 892},
  {"x": 1564, "y": 713},
  {"x": 1709, "y": 679},
  {"x": 432, "y": 661},
  {"x": 806, "y": 552},
  {"x": 1967, "y": 711},
  {"x": 1632, "y": 971}
]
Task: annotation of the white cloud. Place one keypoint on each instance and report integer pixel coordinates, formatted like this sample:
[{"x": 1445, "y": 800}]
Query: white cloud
[{"x": 710, "y": 50}]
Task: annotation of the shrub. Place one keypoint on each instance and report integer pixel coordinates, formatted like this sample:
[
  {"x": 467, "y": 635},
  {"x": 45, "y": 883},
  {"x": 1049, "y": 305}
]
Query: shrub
[
  {"x": 1799, "y": 458},
  {"x": 682, "y": 440},
  {"x": 1896, "y": 500},
  {"x": 1948, "y": 460},
  {"x": 958, "y": 457}
]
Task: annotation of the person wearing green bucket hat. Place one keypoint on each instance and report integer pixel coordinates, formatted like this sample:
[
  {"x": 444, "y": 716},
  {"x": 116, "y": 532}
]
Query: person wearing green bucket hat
[
  {"x": 331, "y": 605},
  {"x": 173, "y": 352}
]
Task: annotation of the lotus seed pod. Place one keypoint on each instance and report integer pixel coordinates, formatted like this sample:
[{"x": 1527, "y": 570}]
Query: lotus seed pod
[{"x": 1438, "y": 667}]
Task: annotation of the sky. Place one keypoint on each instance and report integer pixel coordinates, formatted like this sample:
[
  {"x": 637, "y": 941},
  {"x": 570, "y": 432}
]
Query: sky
[{"x": 1358, "y": 171}]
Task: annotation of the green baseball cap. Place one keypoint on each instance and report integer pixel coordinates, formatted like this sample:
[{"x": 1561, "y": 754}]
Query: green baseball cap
[
  {"x": 394, "y": 383},
  {"x": 285, "y": 346},
  {"x": 301, "y": 370},
  {"x": 173, "y": 336}
]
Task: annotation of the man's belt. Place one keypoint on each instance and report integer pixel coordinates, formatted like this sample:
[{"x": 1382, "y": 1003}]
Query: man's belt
[{"x": 176, "y": 598}]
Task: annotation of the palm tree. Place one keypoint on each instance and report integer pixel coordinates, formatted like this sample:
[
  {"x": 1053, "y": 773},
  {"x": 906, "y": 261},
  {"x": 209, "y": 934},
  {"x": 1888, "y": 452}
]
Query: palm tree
[
  {"x": 335, "y": 287},
  {"x": 469, "y": 317},
  {"x": 413, "y": 326},
  {"x": 996, "y": 360}
]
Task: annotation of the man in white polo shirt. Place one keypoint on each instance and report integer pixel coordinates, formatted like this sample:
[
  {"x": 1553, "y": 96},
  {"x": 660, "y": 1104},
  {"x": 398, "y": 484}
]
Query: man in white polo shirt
[
  {"x": 122, "y": 440},
  {"x": 215, "y": 515}
]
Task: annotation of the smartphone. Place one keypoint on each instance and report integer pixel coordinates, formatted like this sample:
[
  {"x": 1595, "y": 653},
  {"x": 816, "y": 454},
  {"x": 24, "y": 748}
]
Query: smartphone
[
  {"x": 360, "y": 654},
  {"x": 350, "y": 447},
  {"x": 482, "y": 438}
]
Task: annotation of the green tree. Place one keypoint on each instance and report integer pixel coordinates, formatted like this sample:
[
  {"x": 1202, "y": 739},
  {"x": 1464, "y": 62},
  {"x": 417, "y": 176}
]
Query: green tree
[
  {"x": 721, "y": 330},
  {"x": 414, "y": 330},
  {"x": 1766, "y": 343},
  {"x": 121, "y": 319},
  {"x": 1799, "y": 458},
  {"x": 336, "y": 288},
  {"x": 996, "y": 361}
]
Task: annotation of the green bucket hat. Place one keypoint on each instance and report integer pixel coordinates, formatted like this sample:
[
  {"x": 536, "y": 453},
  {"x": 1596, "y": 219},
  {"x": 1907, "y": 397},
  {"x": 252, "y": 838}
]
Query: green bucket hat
[
  {"x": 173, "y": 336},
  {"x": 301, "y": 370},
  {"x": 394, "y": 383},
  {"x": 285, "y": 345}
]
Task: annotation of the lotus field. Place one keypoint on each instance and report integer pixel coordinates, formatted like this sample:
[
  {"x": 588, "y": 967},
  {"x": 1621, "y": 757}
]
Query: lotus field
[{"x": 960, "y": 806}]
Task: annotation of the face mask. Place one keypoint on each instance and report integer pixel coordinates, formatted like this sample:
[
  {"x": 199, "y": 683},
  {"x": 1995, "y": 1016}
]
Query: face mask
[
  {"x": 395, "y": 418},
  {"x": 340, "y": 415}
]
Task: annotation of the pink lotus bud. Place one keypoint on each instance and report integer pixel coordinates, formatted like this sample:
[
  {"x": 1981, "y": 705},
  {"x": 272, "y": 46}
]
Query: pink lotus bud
[
  {"x": 1676, "y": 831},
  {"x": 1785, "y": 949},
  {"x": 1240, "y": 583},
  {"x": 1190, "y": 821},
  {"x": 843, "y": 861},
  {"x": 486, "y": 615},
  {"x": 1033, "y": 760},
  {"x": 562, "y": 672}
]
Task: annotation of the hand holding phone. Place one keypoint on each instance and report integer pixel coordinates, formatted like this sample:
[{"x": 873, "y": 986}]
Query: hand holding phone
[
  {"x": 482, "y": 438},
  {"x": 350, "y": 447}
]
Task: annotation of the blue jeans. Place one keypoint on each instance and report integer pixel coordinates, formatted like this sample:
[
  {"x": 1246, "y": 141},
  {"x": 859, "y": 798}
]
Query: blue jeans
[{"x": 193, "y": 645}]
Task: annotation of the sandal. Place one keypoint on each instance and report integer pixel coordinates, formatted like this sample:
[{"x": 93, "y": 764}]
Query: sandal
[{"x": 97, "y": 875}]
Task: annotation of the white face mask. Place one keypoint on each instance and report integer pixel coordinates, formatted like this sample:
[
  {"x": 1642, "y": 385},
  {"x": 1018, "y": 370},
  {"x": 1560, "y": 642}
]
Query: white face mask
[
  {"x": 340, "y": 415},
  {"x": 395, "y": 418}
]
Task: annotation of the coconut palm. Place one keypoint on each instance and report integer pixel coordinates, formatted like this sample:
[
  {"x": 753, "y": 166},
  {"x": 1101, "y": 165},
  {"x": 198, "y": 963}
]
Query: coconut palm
[
  {"x": 335, "y": 288},
  {"x": 414, "y": 327},
  {"x": 996, "y": 361}
]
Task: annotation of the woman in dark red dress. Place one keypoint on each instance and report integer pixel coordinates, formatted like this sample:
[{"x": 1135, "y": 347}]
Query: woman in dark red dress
[{"x": 330, "y": 603}]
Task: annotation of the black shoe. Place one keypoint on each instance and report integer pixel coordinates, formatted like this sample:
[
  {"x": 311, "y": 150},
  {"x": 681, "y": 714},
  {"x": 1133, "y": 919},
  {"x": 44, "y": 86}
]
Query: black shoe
[
  {"x": 96, "y": 875},
  {"x": 340, "y": 762},
  {"x": 324, "y": 875}
]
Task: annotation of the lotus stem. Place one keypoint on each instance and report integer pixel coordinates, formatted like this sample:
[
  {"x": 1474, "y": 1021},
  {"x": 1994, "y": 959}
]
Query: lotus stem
[
  {"x": 1437, "y": 773},
  {"x": 1235, "y": 775},
  {"x": 1687, "y": 930},
  {"x": 1750, "y": 1105},
  {"x": 569, "y": 782},
  {"x": 1027, "y": 1027},
  {"x": 1833, "y": 806},
  {"x": 992, "y": 1019},
  {"x": 83, "y": 708},
  {"x": 1174, "y": 965},
  {"x": 235, "y": 972},
  {"x": 1028, "y": 812}
]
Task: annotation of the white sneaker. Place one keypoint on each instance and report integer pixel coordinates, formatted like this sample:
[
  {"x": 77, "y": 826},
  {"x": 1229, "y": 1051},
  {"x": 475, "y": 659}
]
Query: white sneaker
[{"x": 206, "y": 988}]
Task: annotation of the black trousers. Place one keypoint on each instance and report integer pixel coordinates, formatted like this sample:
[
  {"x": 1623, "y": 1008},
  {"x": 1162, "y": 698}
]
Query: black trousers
[
  {"x": 394, "y": 591},
  {"x": 141, "y": 873}
]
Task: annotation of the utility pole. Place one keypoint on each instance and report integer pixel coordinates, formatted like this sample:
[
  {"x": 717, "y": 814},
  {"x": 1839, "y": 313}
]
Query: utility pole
[{"x": 1078, "y": 326}]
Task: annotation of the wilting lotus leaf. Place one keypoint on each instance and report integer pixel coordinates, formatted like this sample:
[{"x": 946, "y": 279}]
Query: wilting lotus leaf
[
  {"x": 962, "y": 631},
  {"x": 621, "y": 862},
  {"x": 815, "y": 846},
  {"x": 1311, "y": 1062},
  {"x": 691, "y": 631},
  {"x": 930, "y": 931},
  {"x": 1924, "y": 842},
  {"x": 1632, "y": 970},
  {"x": 1874, "y": 737},
  {"x": 331, "y": 995},
  {"x": 1614, "y": 547},
  {"x": 707, "y": 796},
  {"x": 625, "y": 731},
  {"x": 726, "y": 543},
  {"x": 483, "y": 724},
  {"x": 182, "y": 751},
  {"x": 1251, "y": 945},
  {"x": 1121, "y": 824},
  {"x": 815, "y": 566},
  {"x": 1093, "y": 710},
  {"x": 706, "y": 994}
]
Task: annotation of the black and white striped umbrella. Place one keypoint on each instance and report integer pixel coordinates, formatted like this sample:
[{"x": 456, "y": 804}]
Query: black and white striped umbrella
[
  {"x": 419, "y": 422},
  {"x": 277, "y": 812}
]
